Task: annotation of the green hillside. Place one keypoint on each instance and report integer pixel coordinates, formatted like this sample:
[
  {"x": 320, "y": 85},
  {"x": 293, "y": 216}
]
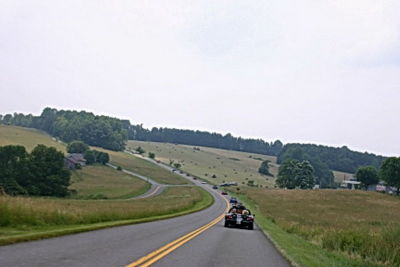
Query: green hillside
[
  {"x": 144, "y": 167},
  {"x": 226, "y": 165},
  {"x": 27, "y": 137},
  {"x": 89, "y": 182}
]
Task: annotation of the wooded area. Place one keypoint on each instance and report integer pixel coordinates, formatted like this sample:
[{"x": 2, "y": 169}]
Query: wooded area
[{"x": 112, "y": 133}]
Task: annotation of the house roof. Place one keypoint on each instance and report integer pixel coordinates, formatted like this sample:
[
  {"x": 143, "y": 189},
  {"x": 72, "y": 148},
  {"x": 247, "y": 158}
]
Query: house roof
[
  {"x": 76, "y": 158},
  {"x": 350, "y": 182}
]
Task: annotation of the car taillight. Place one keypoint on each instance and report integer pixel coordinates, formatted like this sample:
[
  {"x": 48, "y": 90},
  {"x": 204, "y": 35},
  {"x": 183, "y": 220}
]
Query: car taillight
[
  {"x": 249, "y": 218},
  {"x": 229, "y": 217}
]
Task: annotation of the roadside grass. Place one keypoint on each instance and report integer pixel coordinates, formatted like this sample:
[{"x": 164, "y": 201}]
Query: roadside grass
[
  {"x": 103, "y": 182},
  {"x": 24, "y": 218},
  {"x": 330, "y": 227},
  {"x": 144, "y": 167},
  {"x": 28, "y": 137},
  {"x": 226, "y": 165}
]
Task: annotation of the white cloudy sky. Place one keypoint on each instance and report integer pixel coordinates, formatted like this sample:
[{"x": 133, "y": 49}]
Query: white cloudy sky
[{"x": 323, "y": 71}]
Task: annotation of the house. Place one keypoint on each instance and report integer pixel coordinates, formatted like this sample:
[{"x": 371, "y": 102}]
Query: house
[
  {"x": 350, "y": 184},
  {"x": 382, "y": 188},
  {"x": 72, "y": 161}
]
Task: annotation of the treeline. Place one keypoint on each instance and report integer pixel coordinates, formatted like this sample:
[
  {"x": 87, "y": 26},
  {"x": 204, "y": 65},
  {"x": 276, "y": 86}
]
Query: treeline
[
  {"x": 207, "y": 139},
  {"x": 90, "y": 155},
  {"x": 39, "y": 173},
  {"x": 112, "y": 133},
  {"x": 338, "y": 159},
  {"x": 324, "y": 176},
  {"x": 102, "y": 131}
]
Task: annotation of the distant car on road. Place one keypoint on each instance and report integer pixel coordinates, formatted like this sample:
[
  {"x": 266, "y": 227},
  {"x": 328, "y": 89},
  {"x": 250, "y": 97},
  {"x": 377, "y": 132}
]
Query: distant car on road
[
  {"x": 239, "y": 216},
  {"x": 233, "y": 201},
  {"x": 224, "y": 193},
  {"x": 215, "y": 187}
]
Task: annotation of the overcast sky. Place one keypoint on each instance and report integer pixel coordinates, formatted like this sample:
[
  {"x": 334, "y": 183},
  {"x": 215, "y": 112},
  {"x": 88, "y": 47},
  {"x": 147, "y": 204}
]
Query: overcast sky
[{"x": 325, "y": 71}]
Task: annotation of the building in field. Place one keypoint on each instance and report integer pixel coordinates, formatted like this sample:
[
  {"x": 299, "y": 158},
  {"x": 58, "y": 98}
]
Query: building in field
[
  {"x": 74, "y": 160},
  {"x": 350, "y": 184}
]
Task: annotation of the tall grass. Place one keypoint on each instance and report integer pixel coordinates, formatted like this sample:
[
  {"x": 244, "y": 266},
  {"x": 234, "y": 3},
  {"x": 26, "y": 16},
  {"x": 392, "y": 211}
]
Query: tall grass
[
  {"x": 24, "y": 212},
  {"x": 363, "y": 225},
  {"x": 379, "y": 247},
  {"x": 144, "y": 167},
  {"x": 98, "y": 180}
]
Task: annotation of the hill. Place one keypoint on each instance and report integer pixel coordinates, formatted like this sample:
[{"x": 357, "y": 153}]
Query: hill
[
  {"x": 89, "y": 182},
  {"x": 227, "y": 165},
  {"x": 204, "y": 162},
  {"x": 112, "y": 133},
  {"x": 27, "y": 137}
]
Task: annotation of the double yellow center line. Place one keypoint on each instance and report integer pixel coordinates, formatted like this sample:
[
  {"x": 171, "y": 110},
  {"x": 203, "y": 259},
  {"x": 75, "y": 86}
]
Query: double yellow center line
[{"x": 168, "y": 248}]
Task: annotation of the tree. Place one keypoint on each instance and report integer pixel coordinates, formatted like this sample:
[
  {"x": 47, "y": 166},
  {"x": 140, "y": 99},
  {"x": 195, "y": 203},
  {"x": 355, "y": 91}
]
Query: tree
[
  {"x": 103, "y": 158},
  {"x": 13, "y": 169},
  {"x": 90, "y": 157},
  {"x": 305, "y": 175},
  {"x": 7, "y": 119},
  {"x": 293, "y": 173},
  {"x": 324, "y": 176},
  {"x": 140, "y": 150},
  {"x": 367, "y": 175},
  {"x": 152, "y": 155},
  {"x": 177, "y": 165},
  {"x": 77, "y": 147},
  {"x": 48, "y": 175},
  {"x": 390, "y": 172},
  {"x": 264, "y": 168}
]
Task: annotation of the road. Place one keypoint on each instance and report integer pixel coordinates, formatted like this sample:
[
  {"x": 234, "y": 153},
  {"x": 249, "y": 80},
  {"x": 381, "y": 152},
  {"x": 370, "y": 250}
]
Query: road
[{"x": 120, "y": 246}]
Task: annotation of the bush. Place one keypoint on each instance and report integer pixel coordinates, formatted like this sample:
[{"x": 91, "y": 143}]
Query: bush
[
  {"x": 93, "y": 156},
  {"x": 264, "y": 168},
  {"x": 77, "y": 147},
  {"x": 140, "y": 150}
]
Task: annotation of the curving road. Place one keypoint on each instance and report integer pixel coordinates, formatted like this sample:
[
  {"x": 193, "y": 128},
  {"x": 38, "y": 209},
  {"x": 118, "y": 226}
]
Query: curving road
[{"x": 120, "y": 246}]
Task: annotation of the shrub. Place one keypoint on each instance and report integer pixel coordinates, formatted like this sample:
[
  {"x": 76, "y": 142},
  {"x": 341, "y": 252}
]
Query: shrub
[{"x": 77, "y": 147}]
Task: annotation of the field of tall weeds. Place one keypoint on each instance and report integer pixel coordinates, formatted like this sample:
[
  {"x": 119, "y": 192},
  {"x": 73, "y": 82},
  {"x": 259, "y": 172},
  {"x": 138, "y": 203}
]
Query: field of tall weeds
[
  {"x": 359, "y": 224},
  {"x": 25, "y": 212}
]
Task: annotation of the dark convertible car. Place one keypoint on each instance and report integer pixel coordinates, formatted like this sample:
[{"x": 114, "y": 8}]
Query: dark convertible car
[{"x": 239, "y": 216}]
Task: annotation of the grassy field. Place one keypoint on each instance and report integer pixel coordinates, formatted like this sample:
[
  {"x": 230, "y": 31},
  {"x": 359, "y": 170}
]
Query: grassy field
[
  {"x": 144, "y": 167},
  {"x": 104, "y": 182},
  {"x": 13, "y": 135},
  {"x": 29, "y": 218},
  {"x": 24, "y": 218},
  {"x": 360, "y": 225},
  {"x": 226, "y": 165},
  {"x": 90, "y": 182}
]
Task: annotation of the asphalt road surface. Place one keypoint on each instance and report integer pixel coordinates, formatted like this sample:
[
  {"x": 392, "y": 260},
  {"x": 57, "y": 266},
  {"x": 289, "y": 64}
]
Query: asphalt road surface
[{"x": 120, "y": 246}]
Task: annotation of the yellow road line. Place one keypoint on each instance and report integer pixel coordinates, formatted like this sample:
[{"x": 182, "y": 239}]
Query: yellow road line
[{"x": 168, "y": 248}]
